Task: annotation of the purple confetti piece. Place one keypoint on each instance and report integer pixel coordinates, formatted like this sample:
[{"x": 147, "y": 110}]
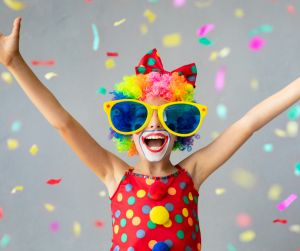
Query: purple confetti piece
[
  {"x": 286, "y": 202},
  {"x": 220, "y": 79},
  {"x": 205, "y": 29},
  {"x": 179, "y": 3},
  {"x": 54, "y": 226},
  {"x": 256, "y": 43}
]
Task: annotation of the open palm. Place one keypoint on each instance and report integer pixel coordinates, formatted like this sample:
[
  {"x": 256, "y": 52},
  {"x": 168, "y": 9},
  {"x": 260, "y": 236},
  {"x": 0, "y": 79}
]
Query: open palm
[{"x": 9, "y": 45}]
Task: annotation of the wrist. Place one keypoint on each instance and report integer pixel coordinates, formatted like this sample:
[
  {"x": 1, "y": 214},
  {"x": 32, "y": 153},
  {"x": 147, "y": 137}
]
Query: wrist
[{"x": 15, "y": 62}]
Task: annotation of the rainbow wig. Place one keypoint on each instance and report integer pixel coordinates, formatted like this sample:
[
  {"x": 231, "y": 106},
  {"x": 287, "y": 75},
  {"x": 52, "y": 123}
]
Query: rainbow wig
[{"x": 146, "y": 86}]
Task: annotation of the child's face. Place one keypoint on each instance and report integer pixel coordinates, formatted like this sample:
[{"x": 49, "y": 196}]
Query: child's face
[{"x": 154, "y": 142}]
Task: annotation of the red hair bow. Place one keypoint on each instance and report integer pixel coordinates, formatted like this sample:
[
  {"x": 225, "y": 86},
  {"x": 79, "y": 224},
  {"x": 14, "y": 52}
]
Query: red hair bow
[{"x": 151, "y": 62}]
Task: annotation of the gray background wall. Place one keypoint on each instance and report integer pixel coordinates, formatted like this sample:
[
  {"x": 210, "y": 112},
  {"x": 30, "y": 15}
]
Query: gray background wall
[{"x": 62, "y": 31}]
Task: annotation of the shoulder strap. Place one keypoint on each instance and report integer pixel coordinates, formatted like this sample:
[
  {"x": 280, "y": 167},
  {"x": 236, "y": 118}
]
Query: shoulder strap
[
  {"x": 178, "y": 167},
  {"x": 130, "y": 169}
]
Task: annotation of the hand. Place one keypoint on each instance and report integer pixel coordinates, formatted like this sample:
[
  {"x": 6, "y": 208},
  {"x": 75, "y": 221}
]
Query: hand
[{"x": 9, "y": 45}]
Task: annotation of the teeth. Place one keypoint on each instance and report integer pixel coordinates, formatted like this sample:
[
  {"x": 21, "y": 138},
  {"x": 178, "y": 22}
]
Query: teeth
[
  {"x": 155, "y": 137},
  {"x": 154, "y": 148}
]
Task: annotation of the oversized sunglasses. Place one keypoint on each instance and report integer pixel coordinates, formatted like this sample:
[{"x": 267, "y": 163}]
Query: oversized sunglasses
[{"x": 129, "y": 116}]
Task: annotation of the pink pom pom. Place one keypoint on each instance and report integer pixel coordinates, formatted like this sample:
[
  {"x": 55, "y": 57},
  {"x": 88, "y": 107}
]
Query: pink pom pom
[{"x": 157, "y": 190}]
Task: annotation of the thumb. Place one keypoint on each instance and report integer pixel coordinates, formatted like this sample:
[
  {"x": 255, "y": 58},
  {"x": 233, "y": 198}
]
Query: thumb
[{"x": 16, "y": 29}]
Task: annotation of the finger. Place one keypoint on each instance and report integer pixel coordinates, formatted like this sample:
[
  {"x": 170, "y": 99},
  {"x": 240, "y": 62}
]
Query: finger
[{"x": 17, "y": 25}]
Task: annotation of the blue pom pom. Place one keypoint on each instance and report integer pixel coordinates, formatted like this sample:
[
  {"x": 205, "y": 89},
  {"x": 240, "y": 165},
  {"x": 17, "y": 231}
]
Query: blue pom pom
[{"x": 160, "y": 246}]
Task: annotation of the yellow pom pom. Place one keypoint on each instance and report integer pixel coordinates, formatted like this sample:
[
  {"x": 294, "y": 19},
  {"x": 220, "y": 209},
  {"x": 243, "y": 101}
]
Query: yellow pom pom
[{"x": 159, "y": 215}]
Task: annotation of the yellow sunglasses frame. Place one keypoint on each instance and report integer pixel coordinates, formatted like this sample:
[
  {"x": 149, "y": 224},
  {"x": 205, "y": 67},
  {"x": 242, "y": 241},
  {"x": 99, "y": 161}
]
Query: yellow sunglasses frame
[{"x": 107, "y": 106}]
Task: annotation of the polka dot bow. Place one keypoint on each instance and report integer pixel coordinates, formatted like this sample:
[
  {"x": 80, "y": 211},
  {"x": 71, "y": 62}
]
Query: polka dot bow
[{"x": 151, "y": 62}]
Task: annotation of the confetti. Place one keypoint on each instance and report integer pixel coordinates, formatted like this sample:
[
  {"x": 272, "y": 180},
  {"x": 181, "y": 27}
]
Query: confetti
[
  {"x": 268, "y": 147},
  {"x": 153, "y": 0},
  {"x": 99, "y": 223},
  {"x": 19, "y": 188},
  {"x": 112, "y": 54},
  {"x": 102, "y": 193},
  {"x": 33, "y": 149},
  {"x": 247, "y": 236},
  {"x": 50, "y": 75},
  {"x": 53, "y": 182},
  {"x": 297, "y": 169},
  {"x": 179, "y": 3},
  {"x": 224, "y": 52},
  {"x": 101, "y": 90},
  {"x": 215, "y": 135},
  {"x": 110, "y": 63},
  {"x": 291, "y": 9},
  {"x": 7, "y": 77},
  {"x": 14, "y": 5},
  {"x": 96, "y": 41},
  {"x": 49, "y": 207},
  {"x": 203, "y": 5},
  {"x": 12, "y": 144},
  {"x": 205, "y": 41},
  {"x": 294, "y": 112},
  {"x": 5, "y": 240},
  {"x": 286, "y": 202},
  {"x": 230, "y": 247},
  {"x": 220, "y": 79},
  {"x": 35, "y": 62},
  {"x": 264, "y": 28},
  {"x": 1, "y": 212},
  {"x": 77, "y": 228},
  {"x": 295, "y": 228},
  {"x": 256, "y": 43},
  {"x": 16, "y": 125},
  {"x": 243, "y": 178},
  {"x": 254, "y": 84},
  {"x": 219, "y": 191},
  {"x": 274, "y": 192},
  {"x": 213, "y": 55},
  {"x": 144, "y": 29},
  {"x": 280, "y": 221},
  {"x": 150, "y": 15},
  {"x": 221, "y": 111},
  {"x": 54, "y": 226},
  {"x": 243, "y": 220},
  {"x": 201, "y": 32},
  {"x": 172, "y": 40},
  {"x": 280, "y": 133},
  {"x": 239, "y": 13},
  {"x": 119, "y": 22},
  {"x": 292, "y": 128}
]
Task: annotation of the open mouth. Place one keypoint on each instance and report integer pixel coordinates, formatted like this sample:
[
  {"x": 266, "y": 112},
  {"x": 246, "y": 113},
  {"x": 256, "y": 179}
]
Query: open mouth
[{"x": 155, "y": 142}]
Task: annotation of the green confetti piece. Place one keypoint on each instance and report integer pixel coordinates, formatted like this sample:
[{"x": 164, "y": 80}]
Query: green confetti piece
[
  {"x": 16, "y": 125},
  {"x": 231, "y": 248},
  {"x": 101, "y": 90},
  {"x": 268, "y": 147},
  {"x": 263, "y": 28},
  {"x": 294, "y": 112},
  {"x": 297, "y": 169},
  {"x": 205, "y": 41},
  {"x": 96, "y": 38},
  {"x": 153, "y": 0},
  {"x": 221, "y": 111},
  {"x": 5, "y": 240}
]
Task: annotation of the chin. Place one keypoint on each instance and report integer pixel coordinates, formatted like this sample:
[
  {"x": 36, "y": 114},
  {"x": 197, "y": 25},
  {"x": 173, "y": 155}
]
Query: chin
[{"x": 156, "y": 152}]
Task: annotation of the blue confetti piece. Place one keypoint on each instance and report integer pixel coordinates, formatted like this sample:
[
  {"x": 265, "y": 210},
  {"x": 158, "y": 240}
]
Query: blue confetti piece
[
  {"x": 101, "y": 90},
  {"x": 231, "y": 248},
  {"x": 96, "y": 38},
  {"x": 5, "y": 240},
  {"x": 16, "y": 125},
  {"x": 268, "y": 147},
  {"x": 297, "y": 169},
  {"x": 221, "y": 111},
  {"x": 294, "y": 112}
]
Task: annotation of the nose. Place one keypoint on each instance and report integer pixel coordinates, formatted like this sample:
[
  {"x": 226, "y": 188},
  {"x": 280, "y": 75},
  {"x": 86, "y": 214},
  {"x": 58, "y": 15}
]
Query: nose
[{"x": 154, "y": 123}]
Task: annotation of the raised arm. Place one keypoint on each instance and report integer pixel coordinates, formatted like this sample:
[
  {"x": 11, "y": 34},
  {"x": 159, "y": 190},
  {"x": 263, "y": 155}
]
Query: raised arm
[
  {"x": 99, "y": 160},
  {"x": 208, "y": 159}
]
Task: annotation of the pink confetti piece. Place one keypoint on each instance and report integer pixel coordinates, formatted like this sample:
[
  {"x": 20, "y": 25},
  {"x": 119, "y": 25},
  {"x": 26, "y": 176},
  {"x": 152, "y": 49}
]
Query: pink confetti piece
[
  {"x": 1, "y": 212},
  {"x": 256, "y": 43},
  {"x": 179, "y": 3},
  {"x": 291, "y": 9},
  {"x": 99, "y": 223},
  {"x": 286, "y": 202},
  {"x": 220, "y": 79},
  {"x": 243, "y": 220},
  {"x": 54, "y": 226},
  {"x": 205, "y": 29}
]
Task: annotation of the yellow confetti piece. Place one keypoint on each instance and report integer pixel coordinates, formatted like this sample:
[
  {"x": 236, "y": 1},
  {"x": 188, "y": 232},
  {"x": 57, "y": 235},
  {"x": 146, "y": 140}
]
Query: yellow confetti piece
[
  {"x": 224, "y": 52},
  {"x": 214, "y": 135},
  {"x": 172, "y": 40},
  {"x": 247, "y": 236},
  {"x": 7, "y": 77},
  {"x": 151, "y": 16},
  {"x": 254, "y": 84},
  {"x": 119, "y": 22},
  {"x": 102, "y": 193},
  {"x": 203, "y": 5},
  {"x": 280, "y": 133},
  {"x": 110, "y": 63},
  {"x": 50, "y": 75},
  {"x": 144, "y": 29},
  {"x": 33, "y": 149},
  {"x": 49, "y": 207},
  {"x": 15, "y": 5},
  {"x": 20, "y": 188},
  {"x": 12, "y": 144},
  {"x": 274, "y": 192},
  {"x": 243, "y": 178},
  {"x": 77, "y": 228},
  {"x": 292, "y": 128},
  {"x": 295, "y": 228},
  {"x": 220, "y": 191},
  {"x": 213, "y": 55},
  {"x": 239, "y": 13}
]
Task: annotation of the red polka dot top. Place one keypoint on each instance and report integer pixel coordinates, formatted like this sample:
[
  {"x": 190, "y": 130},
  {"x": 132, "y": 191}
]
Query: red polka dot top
[{"x": 155, "y": 213}]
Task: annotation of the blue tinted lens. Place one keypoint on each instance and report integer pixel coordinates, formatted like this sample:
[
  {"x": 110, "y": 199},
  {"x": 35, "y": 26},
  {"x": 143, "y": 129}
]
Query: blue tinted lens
[
  {"x": 128, "y": 116},
  {"x": 182, "y": 118}
]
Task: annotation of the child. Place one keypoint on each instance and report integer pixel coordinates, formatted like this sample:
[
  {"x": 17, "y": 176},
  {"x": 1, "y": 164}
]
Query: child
[{"x": 154, "y": 204}]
